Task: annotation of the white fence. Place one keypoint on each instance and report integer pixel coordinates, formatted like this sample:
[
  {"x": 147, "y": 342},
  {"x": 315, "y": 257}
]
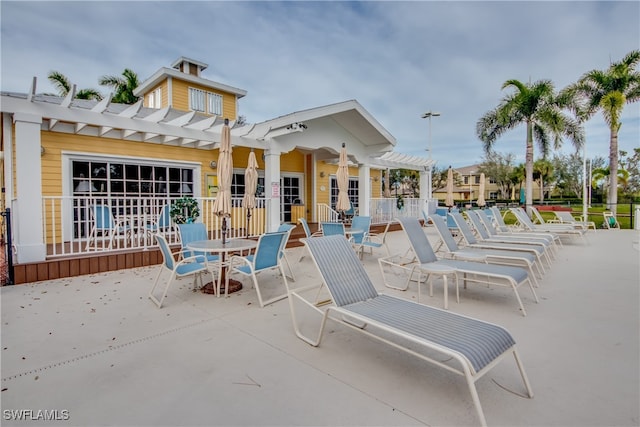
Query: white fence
[
  {"x": 69, "y": 222},
  {"x": 70, "y": 226}
]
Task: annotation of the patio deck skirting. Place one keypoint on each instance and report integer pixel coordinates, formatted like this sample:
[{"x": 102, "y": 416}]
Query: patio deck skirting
[{"x": 111, "y": 261}]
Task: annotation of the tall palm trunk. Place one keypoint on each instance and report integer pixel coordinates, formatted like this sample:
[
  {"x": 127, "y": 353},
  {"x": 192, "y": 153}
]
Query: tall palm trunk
[
  {"x": 612, "y": 197},
  {"x": 528, "y": 168}
]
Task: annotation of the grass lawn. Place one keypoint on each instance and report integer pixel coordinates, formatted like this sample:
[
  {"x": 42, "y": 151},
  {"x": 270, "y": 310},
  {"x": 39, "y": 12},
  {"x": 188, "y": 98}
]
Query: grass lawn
[{"x": 594, "y": 213}]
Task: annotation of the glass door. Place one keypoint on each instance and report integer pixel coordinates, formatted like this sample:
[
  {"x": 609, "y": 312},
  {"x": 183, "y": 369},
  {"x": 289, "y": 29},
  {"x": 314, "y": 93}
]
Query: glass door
[{"x": 291, "y": 194}]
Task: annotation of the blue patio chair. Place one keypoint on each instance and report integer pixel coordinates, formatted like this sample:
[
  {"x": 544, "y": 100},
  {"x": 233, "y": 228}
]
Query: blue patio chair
[
  {"x": 163, "y": 223},
  {"x": 191, "y": 233},
  {"x": 375, "y": 241},
  {"x": 267, "y": 256},
  {"x": 186, "y": 266},
  {"x": 307, "y": 233},
  {"x": 357, "y": 239},
  {"x": 307, "y": 230},
  {"x": 105, "y": 224},
  {"x": 473, "y": 346},
  {"x": 332, "y": 228},
  {"x": 288, "y": 228}
]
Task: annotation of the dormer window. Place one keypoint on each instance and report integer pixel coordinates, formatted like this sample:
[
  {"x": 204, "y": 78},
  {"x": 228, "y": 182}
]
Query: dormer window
[
  {"x": 155, "y": 99},
  {"x": 205, "y": 102}
]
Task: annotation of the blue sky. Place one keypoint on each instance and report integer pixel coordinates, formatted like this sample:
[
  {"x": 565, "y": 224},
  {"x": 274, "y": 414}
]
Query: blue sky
[{"x": 398, "y": 59}]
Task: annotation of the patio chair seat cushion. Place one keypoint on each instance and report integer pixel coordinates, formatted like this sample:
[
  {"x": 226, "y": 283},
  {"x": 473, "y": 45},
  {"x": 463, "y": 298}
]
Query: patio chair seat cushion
[
  {"x": 184, "y": 269},
  {"x": 479, "y": 342}
]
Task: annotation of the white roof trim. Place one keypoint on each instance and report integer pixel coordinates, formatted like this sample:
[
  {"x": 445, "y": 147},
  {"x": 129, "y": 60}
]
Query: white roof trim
[{"x": 402, "y": 161}]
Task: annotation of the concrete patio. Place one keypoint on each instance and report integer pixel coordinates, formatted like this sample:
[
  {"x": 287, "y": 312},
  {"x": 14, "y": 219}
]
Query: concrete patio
[{"x": 97, "y": 351}]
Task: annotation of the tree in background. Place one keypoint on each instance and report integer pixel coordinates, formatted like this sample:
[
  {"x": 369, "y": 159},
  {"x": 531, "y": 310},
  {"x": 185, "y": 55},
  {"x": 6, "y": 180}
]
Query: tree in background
[
  {"x": 537, "y": 106},
  {"x": 608, "y": 91},
  {"x": 123, "y": 86},
  {"x": 632, "y": 165},
  {"x": 498, "y": 167},
  {"x": 567, "y": 170},
  {"x": 62, "y": 83}
]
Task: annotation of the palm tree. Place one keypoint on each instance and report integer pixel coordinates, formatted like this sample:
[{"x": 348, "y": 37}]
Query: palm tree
[
  {"x": 516, "y": 177},
  {"x": 608, "y": 91},
  {"x": 604, "y": 175},
  {"x": 62, "y": 83},
  {"x": 537, "y": 106},
  {"x": 123, "y": 86},
  {"x": 543, "y": 170}
]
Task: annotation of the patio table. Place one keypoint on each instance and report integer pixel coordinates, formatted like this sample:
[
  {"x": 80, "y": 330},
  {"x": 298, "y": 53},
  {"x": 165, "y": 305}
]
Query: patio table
[{"x": 215, "y": 246}]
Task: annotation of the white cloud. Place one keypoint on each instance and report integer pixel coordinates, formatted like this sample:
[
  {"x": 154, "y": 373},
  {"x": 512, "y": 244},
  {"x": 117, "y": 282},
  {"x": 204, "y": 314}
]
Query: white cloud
[{"x": 398, "y": 59}]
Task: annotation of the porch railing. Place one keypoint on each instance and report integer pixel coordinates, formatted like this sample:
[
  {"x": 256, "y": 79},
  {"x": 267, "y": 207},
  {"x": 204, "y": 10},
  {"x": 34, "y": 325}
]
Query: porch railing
[
  {"x": 324, "y": 213},
  {"x": 69, "y": 223},
  {"x": 383, "y": 210}
]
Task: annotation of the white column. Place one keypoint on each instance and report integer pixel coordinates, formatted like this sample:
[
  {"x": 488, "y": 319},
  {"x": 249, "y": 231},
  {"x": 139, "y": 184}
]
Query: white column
[
  {"x": 364, "y": 189},
  {"x": 426, "y": 190},
  {"x": 272, "y": 188},
  {"x": 27, "y": 213}
]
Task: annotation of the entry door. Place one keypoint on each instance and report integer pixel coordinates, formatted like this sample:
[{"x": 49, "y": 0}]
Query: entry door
[{"x": 291, "y": 192}]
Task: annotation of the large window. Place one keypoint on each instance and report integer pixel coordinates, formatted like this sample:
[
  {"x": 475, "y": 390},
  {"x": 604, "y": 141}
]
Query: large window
[
  {"x": 238, "y": 186},
  {"x": 112, "y": 179},
  {"x": 353, "y": 192},
  {"x": 206, "y": 102}
]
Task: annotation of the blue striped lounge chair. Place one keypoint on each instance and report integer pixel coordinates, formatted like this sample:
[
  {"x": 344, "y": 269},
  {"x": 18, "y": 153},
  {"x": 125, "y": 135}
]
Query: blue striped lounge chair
[
  {"x": 474, "y": 272},
  {"x": 469, "y": 346}
]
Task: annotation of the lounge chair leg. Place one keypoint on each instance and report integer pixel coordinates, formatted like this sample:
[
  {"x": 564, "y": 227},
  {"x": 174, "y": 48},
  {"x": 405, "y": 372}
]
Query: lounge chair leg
[
  {"x": 476, "y": 400},
  {"x": 523, "y": 374}
]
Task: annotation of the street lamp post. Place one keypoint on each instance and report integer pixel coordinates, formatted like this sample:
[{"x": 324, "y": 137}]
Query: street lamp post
[{"x": 428, "y": 115}]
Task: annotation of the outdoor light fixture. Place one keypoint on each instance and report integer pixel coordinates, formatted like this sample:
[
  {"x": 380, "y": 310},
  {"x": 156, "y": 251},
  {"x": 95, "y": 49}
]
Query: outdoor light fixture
[
  {"x": 296, "y": 126},
  {"x": 213, "y": 164}
]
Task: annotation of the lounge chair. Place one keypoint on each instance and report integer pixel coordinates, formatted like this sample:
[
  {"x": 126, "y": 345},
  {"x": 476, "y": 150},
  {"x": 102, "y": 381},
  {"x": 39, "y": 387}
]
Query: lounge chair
[
  {"x": 475, "y": 272},
  {"x": 560, "y": 229},
  {"x": 565, "y": 217},
  {"x": 610, "y": 221},
  {"x": 493, "y": 256},
  {"x": 267, "y": 256},
  {"x": 460, "y": 344},
  {"x": 186, "y": 266},
  {"x": 482, "y": 224},
  {"x": 470, "y": 240},
  {"x": 503, "y": 228}
]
